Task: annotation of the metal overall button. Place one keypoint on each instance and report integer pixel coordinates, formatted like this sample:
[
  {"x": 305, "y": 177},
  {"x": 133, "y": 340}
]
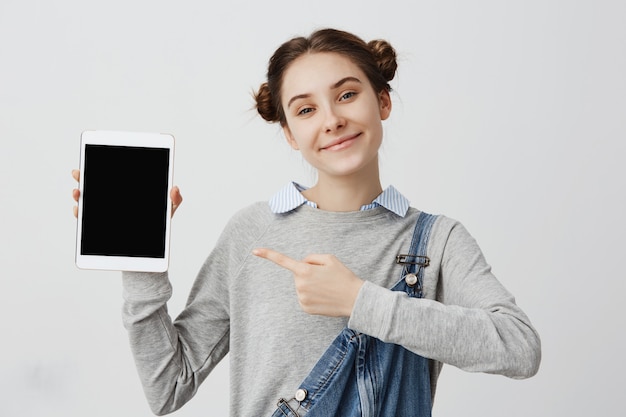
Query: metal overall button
[
  {"x": 300, "y": 395},
  {"x": 411, "y": 280}
]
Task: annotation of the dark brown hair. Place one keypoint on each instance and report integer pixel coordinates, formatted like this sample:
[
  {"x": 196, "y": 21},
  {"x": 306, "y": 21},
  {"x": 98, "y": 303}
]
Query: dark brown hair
[{"x": 377, "y": 59}]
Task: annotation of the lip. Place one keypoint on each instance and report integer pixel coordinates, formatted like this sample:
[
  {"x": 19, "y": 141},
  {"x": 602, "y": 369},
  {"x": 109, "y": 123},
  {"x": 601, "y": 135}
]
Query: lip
[{"x": 340, "y": 143}]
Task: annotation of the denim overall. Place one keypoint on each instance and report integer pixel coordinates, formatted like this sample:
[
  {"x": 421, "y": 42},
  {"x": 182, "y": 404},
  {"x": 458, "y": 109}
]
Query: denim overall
[{"x": 359, "y": 375}]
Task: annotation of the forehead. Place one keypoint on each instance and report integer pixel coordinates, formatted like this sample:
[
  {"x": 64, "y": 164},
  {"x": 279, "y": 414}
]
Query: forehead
[{"x": 318, "y": 71}]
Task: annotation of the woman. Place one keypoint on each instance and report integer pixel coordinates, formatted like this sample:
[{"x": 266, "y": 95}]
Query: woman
[{"x": 332, "y": 251}]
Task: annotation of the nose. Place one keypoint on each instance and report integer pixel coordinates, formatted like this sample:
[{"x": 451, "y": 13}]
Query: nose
[{"x": 334, "y": 120}]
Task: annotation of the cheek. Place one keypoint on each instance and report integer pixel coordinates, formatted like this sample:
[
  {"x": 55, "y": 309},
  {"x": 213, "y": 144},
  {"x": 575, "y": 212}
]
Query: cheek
[
  {"x": 302, "y": 133},
  {"x": 290, "y": 137}
]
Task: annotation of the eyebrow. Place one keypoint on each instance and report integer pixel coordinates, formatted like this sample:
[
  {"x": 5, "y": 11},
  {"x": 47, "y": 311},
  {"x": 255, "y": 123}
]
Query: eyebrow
[{"x": 332, "y": 87}]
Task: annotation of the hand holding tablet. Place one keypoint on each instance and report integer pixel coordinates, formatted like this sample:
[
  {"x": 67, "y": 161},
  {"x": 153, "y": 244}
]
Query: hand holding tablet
[{"x": 123, "y": 206}]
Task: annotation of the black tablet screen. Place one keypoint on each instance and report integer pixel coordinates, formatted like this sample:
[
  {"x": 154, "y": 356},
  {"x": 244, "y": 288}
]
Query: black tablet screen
[{"x": 124, "y": 201}]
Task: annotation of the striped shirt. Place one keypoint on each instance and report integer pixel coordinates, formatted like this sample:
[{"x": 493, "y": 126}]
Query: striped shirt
[{"x": 290, "y": 197}]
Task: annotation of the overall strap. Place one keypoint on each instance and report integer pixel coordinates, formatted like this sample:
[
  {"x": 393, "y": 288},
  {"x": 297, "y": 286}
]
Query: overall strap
[{"x": 416, "y": 260}]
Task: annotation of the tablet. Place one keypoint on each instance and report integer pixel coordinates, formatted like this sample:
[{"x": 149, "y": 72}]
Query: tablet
[{"x": 124, "y": 209}]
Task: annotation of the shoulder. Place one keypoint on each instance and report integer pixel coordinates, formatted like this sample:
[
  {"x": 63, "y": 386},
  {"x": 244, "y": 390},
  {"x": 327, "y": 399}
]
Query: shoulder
[
  {"x": 452, "y": 243},
  {"x": 442, "y": 225},
  {"x": 251, "y": 220},
  {"x": 448, "y": 234},
  {"x": 240, "y": 234}
]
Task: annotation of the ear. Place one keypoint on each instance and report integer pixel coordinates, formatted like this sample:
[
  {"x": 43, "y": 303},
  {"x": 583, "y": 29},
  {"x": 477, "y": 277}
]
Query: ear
[
  {"x": 290, "y": 139},
  {"x": 384, "y": 103}
]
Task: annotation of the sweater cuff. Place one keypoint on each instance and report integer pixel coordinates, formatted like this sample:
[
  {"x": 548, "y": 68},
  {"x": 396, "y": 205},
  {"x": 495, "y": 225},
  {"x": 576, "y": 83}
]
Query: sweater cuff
[
  {"x": 145, "y": 285},
  {"x": 373, "y": 310}
]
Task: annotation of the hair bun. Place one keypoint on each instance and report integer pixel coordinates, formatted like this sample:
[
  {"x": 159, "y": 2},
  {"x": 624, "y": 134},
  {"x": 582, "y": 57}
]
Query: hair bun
[
  {"x": 385, "y": 57},
  {"x": 265, "y": 105}
]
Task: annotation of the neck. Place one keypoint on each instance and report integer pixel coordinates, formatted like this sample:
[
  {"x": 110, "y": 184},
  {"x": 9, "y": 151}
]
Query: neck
[{"x": 347, "y": 192}]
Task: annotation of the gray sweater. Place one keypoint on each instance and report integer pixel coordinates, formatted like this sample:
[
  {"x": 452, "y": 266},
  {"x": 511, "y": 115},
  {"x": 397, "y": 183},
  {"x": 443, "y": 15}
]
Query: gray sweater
[{"x": 248, "y": 306}]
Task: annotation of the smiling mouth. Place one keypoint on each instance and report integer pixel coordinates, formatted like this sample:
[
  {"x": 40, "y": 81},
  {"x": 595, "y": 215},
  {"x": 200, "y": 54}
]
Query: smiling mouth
[{"x": 341, "y": 143}]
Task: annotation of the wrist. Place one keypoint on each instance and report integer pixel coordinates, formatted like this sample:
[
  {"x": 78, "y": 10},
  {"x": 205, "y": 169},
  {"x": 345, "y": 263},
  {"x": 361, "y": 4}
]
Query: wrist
[{"x": 353, "y": 294}]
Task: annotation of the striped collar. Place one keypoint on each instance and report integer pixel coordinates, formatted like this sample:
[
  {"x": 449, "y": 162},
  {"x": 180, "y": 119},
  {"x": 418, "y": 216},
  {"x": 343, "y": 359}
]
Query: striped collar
[{"x": 290, "y": 197}]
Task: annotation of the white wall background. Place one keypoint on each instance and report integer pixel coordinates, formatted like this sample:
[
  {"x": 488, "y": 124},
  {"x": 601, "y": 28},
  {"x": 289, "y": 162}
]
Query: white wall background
[{"x": 509, "y": 115}]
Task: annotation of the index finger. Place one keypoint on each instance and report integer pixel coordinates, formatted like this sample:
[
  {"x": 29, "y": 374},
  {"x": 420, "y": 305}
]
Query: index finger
[{"x": 278, "y": 258}]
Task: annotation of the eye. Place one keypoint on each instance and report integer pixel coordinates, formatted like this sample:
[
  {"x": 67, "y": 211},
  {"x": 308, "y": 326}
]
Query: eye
[
  {"x": 347, "y": 95},
  {"x": 305, "y": 110}
]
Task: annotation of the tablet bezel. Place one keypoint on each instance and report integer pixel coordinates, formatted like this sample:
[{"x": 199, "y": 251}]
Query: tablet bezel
[{"x": 131, "y": 139}]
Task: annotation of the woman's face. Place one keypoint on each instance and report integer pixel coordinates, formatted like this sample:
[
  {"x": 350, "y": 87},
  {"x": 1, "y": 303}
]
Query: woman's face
[{"x": 333, "y": 115}]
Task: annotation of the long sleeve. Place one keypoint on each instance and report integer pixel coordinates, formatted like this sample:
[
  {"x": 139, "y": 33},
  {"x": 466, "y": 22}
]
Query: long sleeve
[
  {"x": 172, "y": 359},
  {"x": 468, "y": 319}
]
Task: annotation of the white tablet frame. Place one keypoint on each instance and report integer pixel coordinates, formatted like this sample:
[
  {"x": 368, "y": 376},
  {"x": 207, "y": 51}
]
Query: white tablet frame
[{"x": 123, "y": 263}]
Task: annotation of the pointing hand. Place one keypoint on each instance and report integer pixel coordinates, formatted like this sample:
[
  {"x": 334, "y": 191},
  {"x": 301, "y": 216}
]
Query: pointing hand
[{"x": 324, "y": 285}]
